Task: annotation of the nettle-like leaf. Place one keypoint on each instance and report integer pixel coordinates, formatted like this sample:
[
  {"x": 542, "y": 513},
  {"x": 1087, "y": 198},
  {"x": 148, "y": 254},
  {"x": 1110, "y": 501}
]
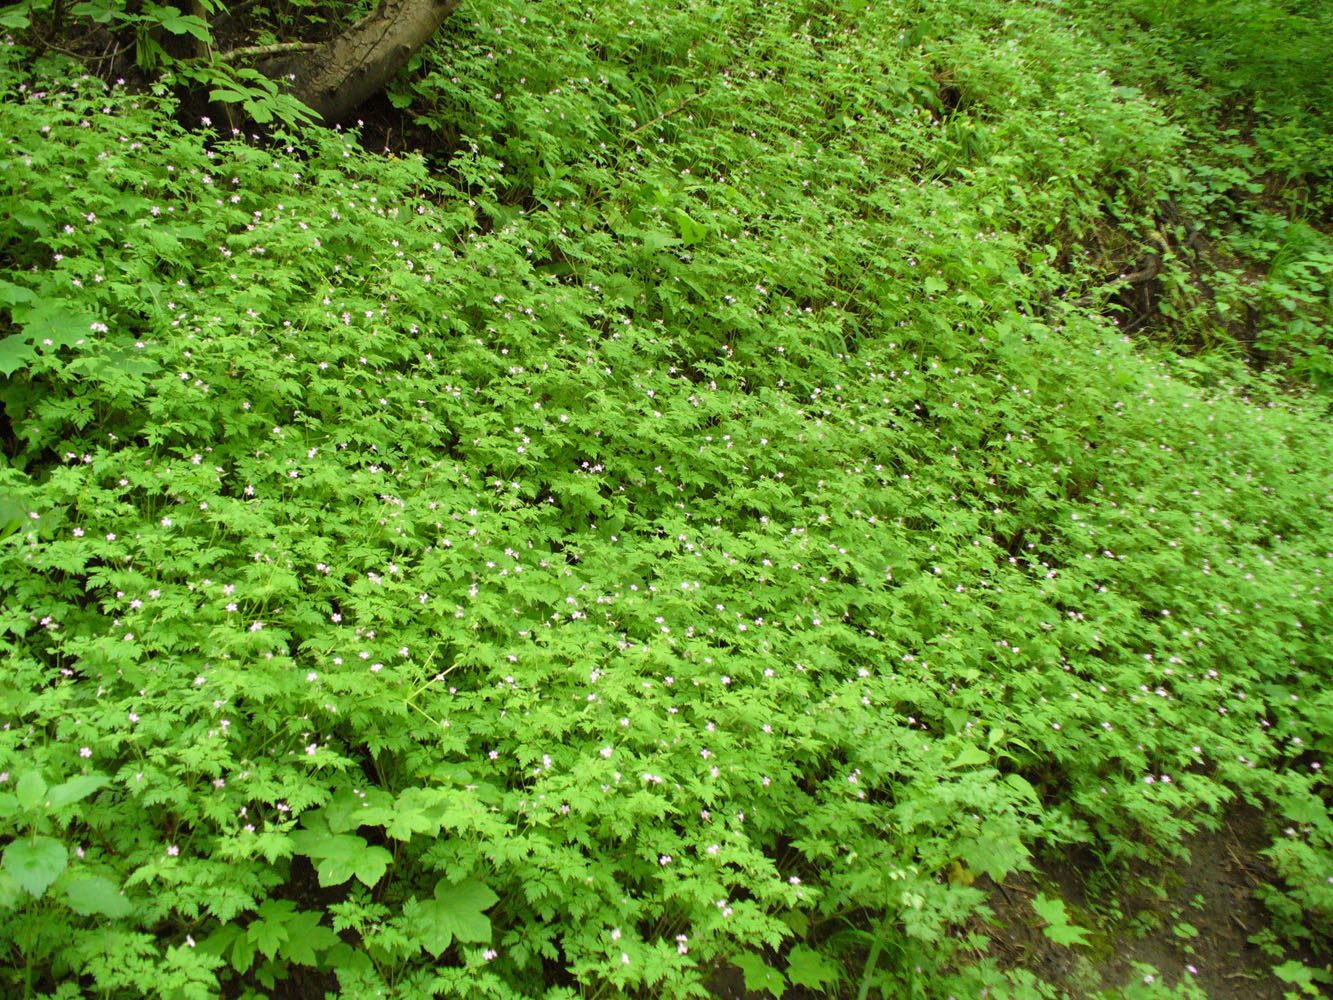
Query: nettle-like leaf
[
  {"x": 810, "y": 968},
  {"x": 1058, "y": 928},
  {"x": 270, "y": 929},
  {"x": 759, "y": 975},
  {"x": 307, "y": 939},
  {"x": 73, "y": 790},
  {"x": 34, "y": 863},
  {"x": 456, "y": 912},
  {"x": 97, "y": 895},
  {"x": 30, "y": 790},
  {"x": 341, "y": 856},
  {"x": 725, "y": 502}
]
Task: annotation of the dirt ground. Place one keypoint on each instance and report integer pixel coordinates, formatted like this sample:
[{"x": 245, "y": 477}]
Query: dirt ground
[
  {"x": 1189, "y": 921},
  {"x": 1196, "y": 925}
]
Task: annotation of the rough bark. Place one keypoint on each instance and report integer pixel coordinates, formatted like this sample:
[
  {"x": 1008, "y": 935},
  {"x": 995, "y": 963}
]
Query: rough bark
[{"x": 338, "y": 76}]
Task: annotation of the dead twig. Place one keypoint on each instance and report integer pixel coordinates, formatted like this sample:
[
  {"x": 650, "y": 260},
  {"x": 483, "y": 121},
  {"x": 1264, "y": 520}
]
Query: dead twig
[
  {"x": 666, "y": 114},
  {"x": 264, "y": 51}
]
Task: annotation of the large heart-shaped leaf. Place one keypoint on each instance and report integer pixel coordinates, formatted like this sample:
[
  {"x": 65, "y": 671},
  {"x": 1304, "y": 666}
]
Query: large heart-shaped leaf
[
  {"x": 34, "y": 864},
  {"x": 456, "y": 912},
  {"x": 96, "y": 894}
]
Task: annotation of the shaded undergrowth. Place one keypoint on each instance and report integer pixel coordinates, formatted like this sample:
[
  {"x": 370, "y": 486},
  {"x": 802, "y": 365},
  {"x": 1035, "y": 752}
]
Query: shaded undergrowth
[{"x": 706, "y": 514}]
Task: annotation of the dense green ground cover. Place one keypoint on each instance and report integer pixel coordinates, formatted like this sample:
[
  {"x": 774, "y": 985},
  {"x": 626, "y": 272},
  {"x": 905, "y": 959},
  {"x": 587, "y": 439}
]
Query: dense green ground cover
[{"x": 708, "y": 513}]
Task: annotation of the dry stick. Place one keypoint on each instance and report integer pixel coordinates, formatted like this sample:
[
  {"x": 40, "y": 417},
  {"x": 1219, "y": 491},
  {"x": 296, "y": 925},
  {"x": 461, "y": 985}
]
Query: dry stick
[
  {"x": 261, "y": 51},
  {"x": 666, "y": 114},
  {"x": 1239, "y": 863}
]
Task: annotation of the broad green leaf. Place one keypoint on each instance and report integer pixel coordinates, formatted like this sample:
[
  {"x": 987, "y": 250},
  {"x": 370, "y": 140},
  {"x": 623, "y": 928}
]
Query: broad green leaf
[
  {"x": 102, "y": 12},
  {"x": 11, "y": 896},
  {"x": 270, "y": 928},
  {"x": 998, "y": 851},
  {"x": 416, "y": 811},
  {"x": 1305, "y": 808},
  {"x": 221, "y": 939},
  {"x": 10, "y": 293},
  {"x": 456, "y": 912},
  {"x": 74, "y": 790},
  {"x": 15, "y": 353},
  {"x": 12, "y": 515},
  {"x": 347, "y": 809},
  {"x": 807, "y": 967},
  {"x": 307, "y": 938},
  {"x": 1058, "y": 928},
  {"x": 34, "y": 864},
  {"x": 31, "y": 790},
  {"x": 367, "y": 864},
  {"x": 1297, "y": 973},
  {"x": 970, "y": 757},
  {"x": 92, "y": 894},
  {"x": 227, "y": 96},
  {"x": 260, "y": 110},
  {"x": 185, "y": 24},
  {"x": 54, "y": 321},
  {"x": 759, "y": 975},
  {"x": 1021, "y": 785},
  {"x": 691, "y": 232},
  {"x": 657, "y": 239},
  {"x": 15, "y": 18},
  {"x": 243, "y": 954},
  {"x": 340, "y": 856}
]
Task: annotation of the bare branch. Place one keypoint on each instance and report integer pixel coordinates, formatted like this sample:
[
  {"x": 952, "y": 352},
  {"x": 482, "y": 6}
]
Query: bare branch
[{"x": 265, "y": 51}]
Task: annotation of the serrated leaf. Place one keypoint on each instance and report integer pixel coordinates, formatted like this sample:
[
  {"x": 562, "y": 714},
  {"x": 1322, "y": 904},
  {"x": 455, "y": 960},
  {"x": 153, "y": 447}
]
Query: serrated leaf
[
  {"x": 456, "y": 912},
  {"x": 53, "y": 321},
  {"x": 261, "y": 111},
  {"x": 348, "y": 809},
  {"x": 1058, "y": 928},
  {"x": 691, "y": 232},
  {"x": 31, "y": 791},
  {"x": 34, "y": 864},
  {"x": 267, "y": 934},
  {"x": 74, "y": 790},
  {"x": 92, "y": 894},
  {"x": 970, "y": 757},
  {"x": 306, "y": 939},
  {"x": 1305, "y": 808},
  {"x": 220, "y": 940},
  {"x": 807, "y": 967},
  {"x": 99, "y": 12},
  {"x": 10, "y": 293},
  {"x": 416, "y": 811},
  {"x": 186, "y": 24},
  {"x": 759, "y": 975},
  {"x": 10, "y": 893},
  {"x": 242, "y": 954},
  {"x": 368, "y": 866},
  {"x": 1021, "y": 785},
  {"x": 1067, "y": 935},
  {"x": 341, "y": 856},
  {"x": 15, "y": 18}
]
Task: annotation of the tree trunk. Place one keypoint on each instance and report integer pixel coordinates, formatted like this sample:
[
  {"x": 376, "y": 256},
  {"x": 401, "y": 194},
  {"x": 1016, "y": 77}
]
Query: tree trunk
[{"x": 338, "y": 76}]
